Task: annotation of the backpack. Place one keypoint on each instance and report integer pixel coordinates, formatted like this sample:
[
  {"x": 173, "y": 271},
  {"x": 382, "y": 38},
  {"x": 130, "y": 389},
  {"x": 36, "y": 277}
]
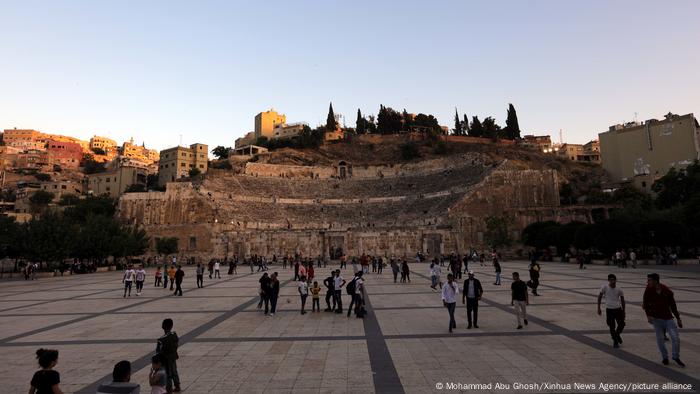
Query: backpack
[{"x": 350, "y": 288}]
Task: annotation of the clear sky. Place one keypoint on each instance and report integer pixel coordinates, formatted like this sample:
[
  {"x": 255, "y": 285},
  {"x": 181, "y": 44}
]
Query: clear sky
[{"x": 157, "y": 69}]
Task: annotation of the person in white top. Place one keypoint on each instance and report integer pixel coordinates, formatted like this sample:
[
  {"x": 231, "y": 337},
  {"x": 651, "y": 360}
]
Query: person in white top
[
  {"x": 140, "y": 278},
  {"x": 128, "y": 279},
  {"x": 303, "y": 289},
  {"x": 217, "y": 267},
  {"x": 614, "y": 308},
  {"x": 449, "y": 298}
]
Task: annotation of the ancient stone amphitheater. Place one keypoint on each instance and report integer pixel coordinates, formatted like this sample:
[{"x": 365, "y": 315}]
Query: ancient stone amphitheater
[{"x": 434, "y": 206}]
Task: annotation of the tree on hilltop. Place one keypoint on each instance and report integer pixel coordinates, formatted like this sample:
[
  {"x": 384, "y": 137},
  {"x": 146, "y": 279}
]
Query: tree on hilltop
[
  {"x": 360, "y": 123},
  {"x": 477, "y": 130},
  {"x": 512, "y": 129},
  {"x": 221, "y": 152},
  {"x": 465, "y": 125},
  {"x": 491, "y": 129},
  {"x": 331, "y": 124},
  {"x": 458, "y": 125}
]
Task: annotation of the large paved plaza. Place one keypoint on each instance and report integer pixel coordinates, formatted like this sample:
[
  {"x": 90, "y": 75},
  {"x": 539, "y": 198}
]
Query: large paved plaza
[{"x": 227, "y": 345}]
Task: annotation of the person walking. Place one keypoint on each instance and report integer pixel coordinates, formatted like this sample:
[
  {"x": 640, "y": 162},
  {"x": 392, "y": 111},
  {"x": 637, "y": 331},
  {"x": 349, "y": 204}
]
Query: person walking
[
  {"x": 394, "y": 269},
  {"x": 128, "y": 279},
  {"x": 159, "y": 277},
  {"x": 519, "y": 298},
  {"x": 167, "y": 348},
  {"x": 614, "y": 308},
  {"x": 274, "y": 292},
  {"x": 179, "y": 275},
  {"x": 140, "y": 278},
  {"x": 46, "y": 380},
  {"x": 171, "y": 276},
  {"x": 264, "y": 289},
  {"x": 472, "y": 292},
  {"x": 296, "y": 270},
  {"x": 405, "y": 272},
  {"x": 660, "y": 307},
  {"x": 352, "y": 289},
  {"x": 497, "y": 267},
  {"x": 633, "y": 258},
  {"x": 166, "y": 275},
  {"x": 433, "y": 275},
  {"x": 330, "y": 292},
  {"x": 380, "y": 265},
  {"x": 217, "y": 269},
  {"x": 449, "y": 298},
  {"x": 534, "y": 277},
  {"x": 200, "y": 275},
  {"x": 303, "y": 289},
  {"x": 338, "y": 283}
]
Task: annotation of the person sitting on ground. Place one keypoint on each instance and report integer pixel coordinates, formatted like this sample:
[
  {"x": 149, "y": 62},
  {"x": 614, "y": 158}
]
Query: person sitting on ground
[{"x": 121, "y": 377}]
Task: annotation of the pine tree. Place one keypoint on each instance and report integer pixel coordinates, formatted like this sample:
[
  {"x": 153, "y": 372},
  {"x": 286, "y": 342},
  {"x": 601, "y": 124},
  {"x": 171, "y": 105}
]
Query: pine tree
[
  {"x": 360, "y": 124},
  {"x": 476, "y": 130},
  {"x": 331, "y": 124},
  {"x": 512, "y": 130},
  {"x": 458, "y": 125}
]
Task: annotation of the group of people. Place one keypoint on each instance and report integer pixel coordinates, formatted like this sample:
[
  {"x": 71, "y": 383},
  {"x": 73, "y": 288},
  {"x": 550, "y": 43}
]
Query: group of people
[
  {"x": 334, "y": 284},
  {"x": 138, "y": 275},
  {"x": 162, "y": 377},
  {"x": 658, "y": 304}
]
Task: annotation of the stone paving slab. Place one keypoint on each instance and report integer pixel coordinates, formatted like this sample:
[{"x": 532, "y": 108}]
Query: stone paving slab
[{"x": 228, "y": 345}]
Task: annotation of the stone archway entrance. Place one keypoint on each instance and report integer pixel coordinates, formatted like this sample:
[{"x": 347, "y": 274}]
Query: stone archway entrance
[{"x": 432, "y": 245}]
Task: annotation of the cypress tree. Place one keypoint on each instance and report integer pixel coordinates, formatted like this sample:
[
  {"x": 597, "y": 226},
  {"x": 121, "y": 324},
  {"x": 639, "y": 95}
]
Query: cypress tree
[
  {"x": 512, "y": 126},
  {"x": 331, "y": 124},
  {"x": 360, "y": 123},
  {"x": 458, "y": 125},
  {"x": 465, "y": 125}
]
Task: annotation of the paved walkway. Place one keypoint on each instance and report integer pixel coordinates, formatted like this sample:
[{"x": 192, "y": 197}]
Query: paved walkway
[{"x": 227, "y": 345}]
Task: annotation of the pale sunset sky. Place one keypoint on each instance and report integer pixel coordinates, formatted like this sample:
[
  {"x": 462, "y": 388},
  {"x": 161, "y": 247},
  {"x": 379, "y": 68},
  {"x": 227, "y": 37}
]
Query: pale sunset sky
[{"x": 156, "y": 70}]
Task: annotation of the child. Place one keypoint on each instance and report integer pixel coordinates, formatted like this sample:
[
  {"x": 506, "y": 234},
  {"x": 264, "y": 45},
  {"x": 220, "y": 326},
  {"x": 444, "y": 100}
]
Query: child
[
  {"x": 316, "y": 300},
  {"x": 159, "y": 277},
  {"x": 157, "y": 377},
  {"x": 46, "y": 380},
  {"x": 303, "y": 289},
  {"x": 167, "y": 349},
  {"x": 171, "y": 276}
]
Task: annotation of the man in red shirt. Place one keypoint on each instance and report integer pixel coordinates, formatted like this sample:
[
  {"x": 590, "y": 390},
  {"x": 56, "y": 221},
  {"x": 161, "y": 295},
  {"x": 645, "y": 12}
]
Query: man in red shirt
[{"x": 660, "y": 307}]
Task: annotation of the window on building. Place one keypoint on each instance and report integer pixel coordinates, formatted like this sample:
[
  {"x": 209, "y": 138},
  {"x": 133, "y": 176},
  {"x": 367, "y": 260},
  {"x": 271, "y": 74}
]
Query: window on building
[
  {"x": 107, "y": 188},
  {"x": 182, "y": 164},
  {"x": 201, "y": 166},
  {"x": 193, "y": 242},
  {"x": 63, "y": 187},
  {"x": 107, "y": 180}
]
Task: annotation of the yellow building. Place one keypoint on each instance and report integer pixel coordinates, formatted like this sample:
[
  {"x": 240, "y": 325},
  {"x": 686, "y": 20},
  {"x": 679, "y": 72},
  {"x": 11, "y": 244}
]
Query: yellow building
[
  {"x": 265, "y": 123},
  {"x": 115, "y": 182},
  {"x": 176, "y": 163},
  {"x": 140, "y": 153},
  {"x": 103, "y": 143},
  {"x": 642, "y": 153}
]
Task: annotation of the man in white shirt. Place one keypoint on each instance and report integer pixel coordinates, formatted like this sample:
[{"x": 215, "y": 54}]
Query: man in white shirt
[
  {"x": 140, "y": 278},
  {"x": 217, "y": 268},
  {"x": 614, "y": 308},
  {"x": 128, "y": 279},
  {"x": 338, "y": 283},
  {"x": 449, "y": 298},
  {"x": 303, "y": 289}
]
